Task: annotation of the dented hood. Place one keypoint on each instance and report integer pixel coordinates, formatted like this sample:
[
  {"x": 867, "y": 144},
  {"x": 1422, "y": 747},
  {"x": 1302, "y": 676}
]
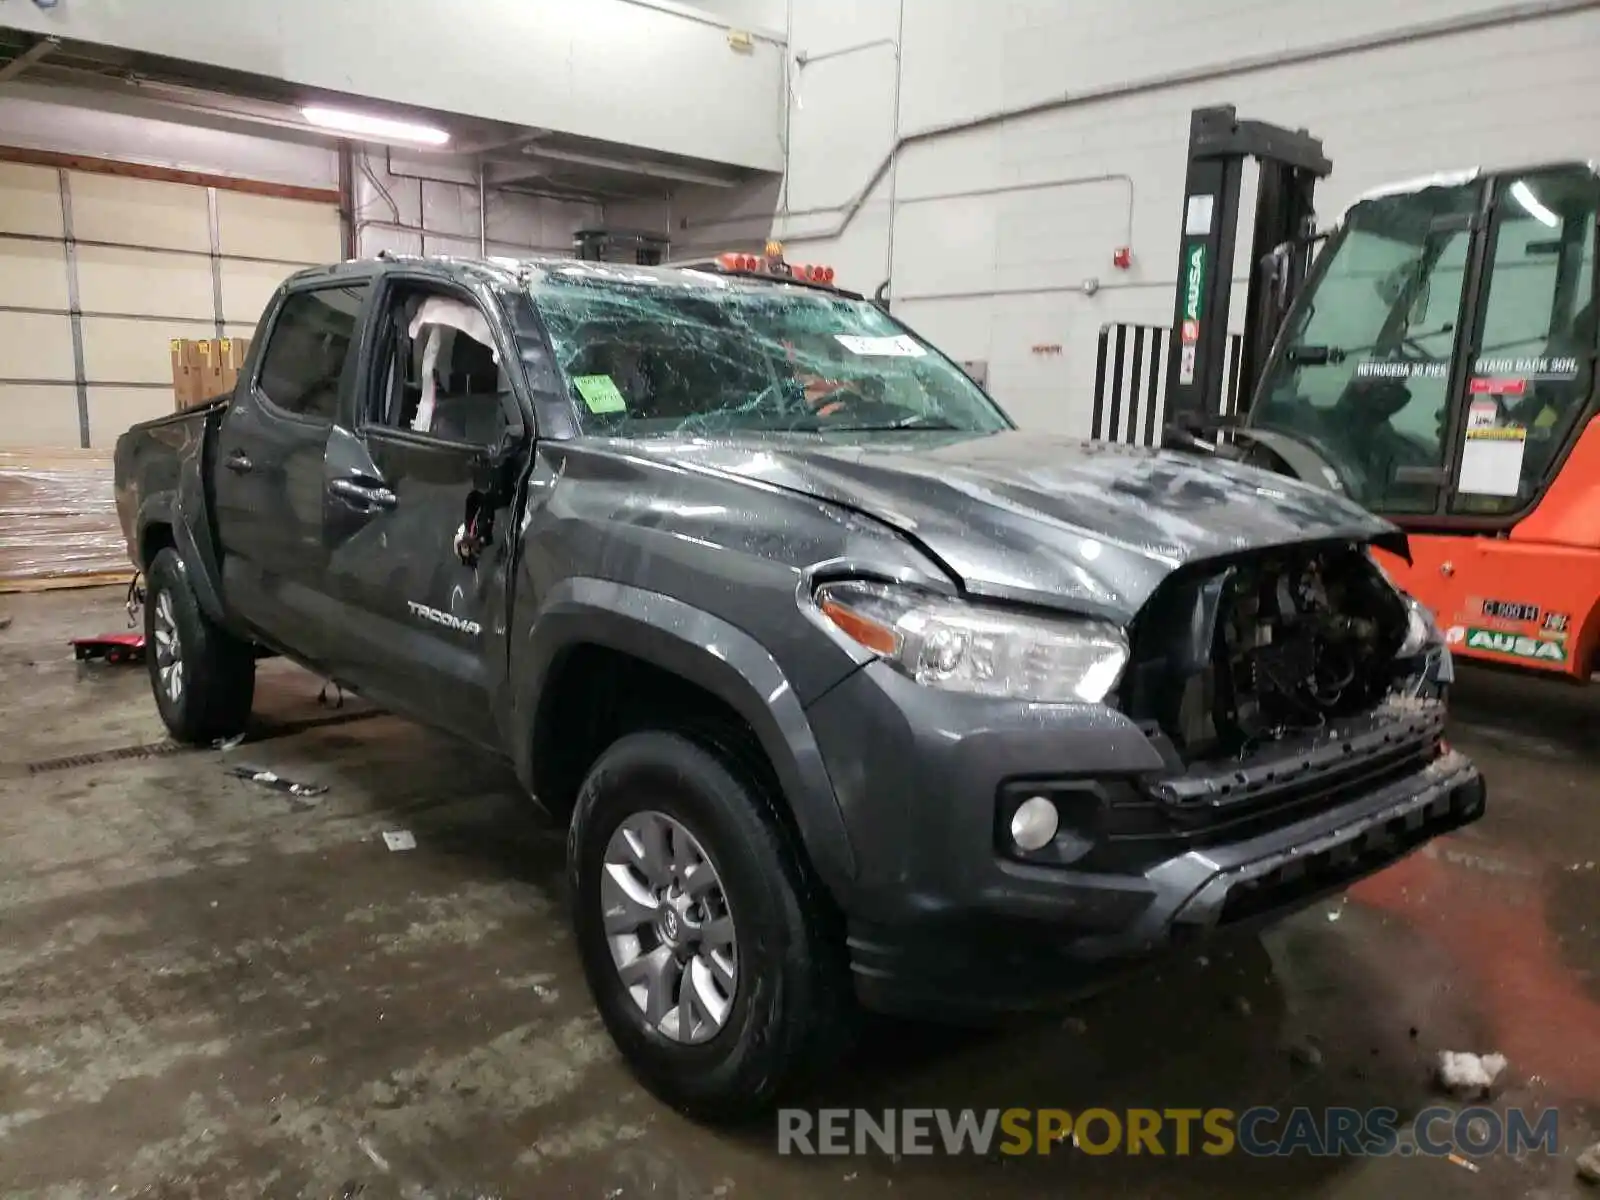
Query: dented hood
[{"x": 1046, "y": 520}]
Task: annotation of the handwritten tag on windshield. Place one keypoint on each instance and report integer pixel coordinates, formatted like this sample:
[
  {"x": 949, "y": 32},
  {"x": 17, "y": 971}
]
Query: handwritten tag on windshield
[
  {"x": 600, "y": 394},
  {"x": 881, "y": 347}
]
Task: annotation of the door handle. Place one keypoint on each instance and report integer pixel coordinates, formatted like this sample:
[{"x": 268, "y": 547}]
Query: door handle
[
  {"x": 238, "y": 462},
  {"x": 363, "y": 494}
]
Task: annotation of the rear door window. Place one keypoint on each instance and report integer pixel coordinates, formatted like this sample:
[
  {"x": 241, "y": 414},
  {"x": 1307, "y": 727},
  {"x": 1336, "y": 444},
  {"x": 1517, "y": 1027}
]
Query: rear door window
[{"x": 308, "y": 350}]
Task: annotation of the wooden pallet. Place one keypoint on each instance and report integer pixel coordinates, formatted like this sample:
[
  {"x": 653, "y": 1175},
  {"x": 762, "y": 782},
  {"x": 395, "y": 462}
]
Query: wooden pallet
[
  {"x": 23, "y": 584},
  {"x": 58, "y": 521}
]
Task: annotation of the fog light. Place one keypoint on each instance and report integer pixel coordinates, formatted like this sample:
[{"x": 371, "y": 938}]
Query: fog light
[{"x": 1034, "y": 823}]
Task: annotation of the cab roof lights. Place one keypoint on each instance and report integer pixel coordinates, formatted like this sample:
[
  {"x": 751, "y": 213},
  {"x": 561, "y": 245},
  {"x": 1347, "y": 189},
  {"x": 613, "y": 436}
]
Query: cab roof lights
[{"x": 773, "y": 266}]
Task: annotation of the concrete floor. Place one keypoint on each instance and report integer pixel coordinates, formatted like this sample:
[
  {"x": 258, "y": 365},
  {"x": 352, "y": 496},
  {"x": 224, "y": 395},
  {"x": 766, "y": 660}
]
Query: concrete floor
[{"x": 211, "y": 989}]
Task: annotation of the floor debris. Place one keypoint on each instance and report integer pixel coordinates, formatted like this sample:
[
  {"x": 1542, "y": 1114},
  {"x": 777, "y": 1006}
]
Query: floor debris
[
  {"x": 227, "y": 743},
  {"x": 378, "y": 1160},
  {"x": 400, "y": 839},
  {"x": 277, "y": 782},
  {"x": 1469, "y": 1074},
  {"x": 1463, "y": 1162},
  {"x": 1589, "y": 1164},
  {"x": 1305, "y": 1054}
]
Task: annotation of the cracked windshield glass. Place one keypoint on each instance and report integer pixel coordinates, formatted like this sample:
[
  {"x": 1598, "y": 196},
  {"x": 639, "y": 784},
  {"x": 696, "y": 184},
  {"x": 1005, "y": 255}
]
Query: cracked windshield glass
[{"x": 647, "y": 354}]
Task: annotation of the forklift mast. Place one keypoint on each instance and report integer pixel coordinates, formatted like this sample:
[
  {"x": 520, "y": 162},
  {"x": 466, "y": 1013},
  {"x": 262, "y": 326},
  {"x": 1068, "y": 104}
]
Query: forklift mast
[{"x": 1291, "y": 162}]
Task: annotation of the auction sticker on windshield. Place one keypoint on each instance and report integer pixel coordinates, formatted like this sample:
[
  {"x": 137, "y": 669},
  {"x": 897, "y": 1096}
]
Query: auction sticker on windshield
[
  {"x": 600, "y": 394},
  {"x": 881, "y": 347}
]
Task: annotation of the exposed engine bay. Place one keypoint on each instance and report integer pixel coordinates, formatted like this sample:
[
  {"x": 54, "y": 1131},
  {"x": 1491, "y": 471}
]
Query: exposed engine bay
[{"x": 1265, "y": 647}]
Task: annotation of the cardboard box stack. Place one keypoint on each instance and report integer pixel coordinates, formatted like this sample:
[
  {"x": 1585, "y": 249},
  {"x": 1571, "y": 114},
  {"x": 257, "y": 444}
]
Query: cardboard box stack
[{"x": 206, "y": 368}]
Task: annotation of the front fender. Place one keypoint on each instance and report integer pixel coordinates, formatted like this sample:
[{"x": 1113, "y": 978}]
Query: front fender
[{"x": 706, "y": 651}]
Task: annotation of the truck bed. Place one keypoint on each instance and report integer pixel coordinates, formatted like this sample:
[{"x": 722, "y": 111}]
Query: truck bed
[{"x": 160, "y": 471}]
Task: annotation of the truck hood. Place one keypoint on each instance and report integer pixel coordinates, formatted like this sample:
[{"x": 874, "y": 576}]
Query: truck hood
[{"x": 1088, "y": 526}]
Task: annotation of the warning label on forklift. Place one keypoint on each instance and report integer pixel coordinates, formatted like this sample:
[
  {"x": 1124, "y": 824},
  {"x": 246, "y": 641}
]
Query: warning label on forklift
[
  {"x": 1373, "y": 368},
  {"x": 1529, "y": 368},
  {"x": 1491, "y": 461}
]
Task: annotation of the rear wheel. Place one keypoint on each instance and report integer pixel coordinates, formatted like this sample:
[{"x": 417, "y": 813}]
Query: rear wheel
[
  {"x": 203, "y": 677},
  {"x": 707, "y": 951}
]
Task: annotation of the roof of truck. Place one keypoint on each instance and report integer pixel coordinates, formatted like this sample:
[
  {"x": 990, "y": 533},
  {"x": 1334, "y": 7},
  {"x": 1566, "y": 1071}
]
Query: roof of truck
[{"x": 514, "y": 272}]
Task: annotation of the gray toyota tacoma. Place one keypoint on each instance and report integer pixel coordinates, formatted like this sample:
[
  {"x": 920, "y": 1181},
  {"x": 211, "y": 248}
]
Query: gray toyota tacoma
[{"x": 848, "y": 692}]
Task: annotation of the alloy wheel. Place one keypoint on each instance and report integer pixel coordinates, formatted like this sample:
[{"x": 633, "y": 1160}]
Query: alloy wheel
[
  {"x": 669, "y": 927},
  {"x": 169, "y": 650}
]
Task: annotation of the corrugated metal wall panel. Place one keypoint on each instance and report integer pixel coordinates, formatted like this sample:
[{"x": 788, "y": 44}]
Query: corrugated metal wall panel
[{"x": 148, "y": 260}]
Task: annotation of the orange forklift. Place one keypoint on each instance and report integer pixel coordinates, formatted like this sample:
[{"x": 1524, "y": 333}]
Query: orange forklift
[{"x": 1432, "y": 356}]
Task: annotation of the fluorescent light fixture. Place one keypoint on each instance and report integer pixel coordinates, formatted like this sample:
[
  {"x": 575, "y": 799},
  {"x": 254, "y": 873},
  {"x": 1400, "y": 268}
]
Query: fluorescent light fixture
[
  {"x": 1525, "y": 197},
  {"x": 378, "y": 128}
]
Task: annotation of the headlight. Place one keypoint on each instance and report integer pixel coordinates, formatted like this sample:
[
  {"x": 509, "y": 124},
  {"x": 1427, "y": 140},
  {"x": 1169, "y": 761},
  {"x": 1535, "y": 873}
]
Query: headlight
[
  {"x": 980, "y": 649},
  {"x": 1420, "y": 629}
]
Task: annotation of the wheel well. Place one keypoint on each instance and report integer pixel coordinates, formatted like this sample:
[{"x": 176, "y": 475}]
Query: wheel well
[
  {"x": 155, "y": 538},
  {"x": 595, "y": 695}
]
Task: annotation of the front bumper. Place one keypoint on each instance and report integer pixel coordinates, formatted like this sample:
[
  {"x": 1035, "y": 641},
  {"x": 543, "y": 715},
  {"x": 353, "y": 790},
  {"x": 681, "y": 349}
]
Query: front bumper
[{"x": 950, "y": 920}]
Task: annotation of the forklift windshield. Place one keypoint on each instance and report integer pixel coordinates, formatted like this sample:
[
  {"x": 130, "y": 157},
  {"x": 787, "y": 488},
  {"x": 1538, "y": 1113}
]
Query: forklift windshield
[{"x": 1366, "y": 372}]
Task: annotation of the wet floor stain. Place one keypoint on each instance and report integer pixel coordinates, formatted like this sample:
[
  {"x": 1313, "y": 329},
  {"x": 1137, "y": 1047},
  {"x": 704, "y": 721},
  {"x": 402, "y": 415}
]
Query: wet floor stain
[{"x": 210, "y": 990}]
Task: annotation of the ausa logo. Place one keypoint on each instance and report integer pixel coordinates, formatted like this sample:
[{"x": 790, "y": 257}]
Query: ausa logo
[
  {"x": 1515, "y": 644},
  {"x": 448, "y": 620},
  {"x": 1194, "y": 281}
]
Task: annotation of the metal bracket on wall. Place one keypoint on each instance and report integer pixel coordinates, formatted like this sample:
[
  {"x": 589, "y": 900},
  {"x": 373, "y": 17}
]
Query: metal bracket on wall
[{"x": 80, "y": 378}]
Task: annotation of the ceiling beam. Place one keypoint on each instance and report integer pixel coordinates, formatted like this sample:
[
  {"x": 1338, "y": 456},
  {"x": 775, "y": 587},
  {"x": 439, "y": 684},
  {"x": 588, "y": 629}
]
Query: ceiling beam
[
  {"x": 19, "y": 64},
  {"x": 504, "y": 173}
]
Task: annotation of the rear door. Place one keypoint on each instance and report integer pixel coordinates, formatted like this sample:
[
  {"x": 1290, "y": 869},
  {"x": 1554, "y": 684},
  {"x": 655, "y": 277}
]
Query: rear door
[{"x": 268, "y": 465}]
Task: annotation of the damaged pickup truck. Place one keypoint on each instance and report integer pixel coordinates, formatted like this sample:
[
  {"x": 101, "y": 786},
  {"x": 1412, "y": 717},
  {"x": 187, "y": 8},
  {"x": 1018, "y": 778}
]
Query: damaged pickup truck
[{"x": 847, "y": 691}]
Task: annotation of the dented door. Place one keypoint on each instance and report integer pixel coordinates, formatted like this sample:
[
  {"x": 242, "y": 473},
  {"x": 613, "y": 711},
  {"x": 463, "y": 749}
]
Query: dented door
[{"x": 422, "y": 627}]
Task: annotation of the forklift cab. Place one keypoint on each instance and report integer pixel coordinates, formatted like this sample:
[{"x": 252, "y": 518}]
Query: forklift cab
[
  {"x": 1435, "y": 362},
  {"x": 1438, "y": 365}
]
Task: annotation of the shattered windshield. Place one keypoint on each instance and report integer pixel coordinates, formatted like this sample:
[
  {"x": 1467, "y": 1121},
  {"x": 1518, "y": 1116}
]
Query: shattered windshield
[{"x": 672, "y": 354}]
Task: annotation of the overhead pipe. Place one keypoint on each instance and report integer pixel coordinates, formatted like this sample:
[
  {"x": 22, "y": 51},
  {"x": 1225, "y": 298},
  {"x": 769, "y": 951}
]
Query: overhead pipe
[
  {"x": 423, "y": 231},
  {"x": 483, "y": 211}
]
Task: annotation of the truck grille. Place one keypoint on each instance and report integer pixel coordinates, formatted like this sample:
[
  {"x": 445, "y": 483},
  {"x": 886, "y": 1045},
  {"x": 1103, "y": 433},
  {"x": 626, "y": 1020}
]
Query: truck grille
[{"x": 1138, "y": 822}]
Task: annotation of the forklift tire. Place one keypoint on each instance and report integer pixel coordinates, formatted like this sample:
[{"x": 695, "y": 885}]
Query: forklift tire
[{"x": 203, "y": 677}]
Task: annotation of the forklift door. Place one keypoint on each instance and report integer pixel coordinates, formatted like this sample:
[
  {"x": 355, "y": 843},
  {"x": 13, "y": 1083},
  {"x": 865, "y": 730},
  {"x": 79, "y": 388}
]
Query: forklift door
[{"x": 1441, "y": 358}]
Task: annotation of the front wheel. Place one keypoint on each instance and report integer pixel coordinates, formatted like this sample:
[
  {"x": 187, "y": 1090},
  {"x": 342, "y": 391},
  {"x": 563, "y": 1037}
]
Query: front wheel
[
  {"x": 709, "y": 955},
  {"x": 203, "y": 677}
]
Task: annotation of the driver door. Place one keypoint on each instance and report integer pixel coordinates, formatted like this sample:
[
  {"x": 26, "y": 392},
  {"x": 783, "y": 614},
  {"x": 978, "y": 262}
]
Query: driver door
[{"x": 425, "y": 618}]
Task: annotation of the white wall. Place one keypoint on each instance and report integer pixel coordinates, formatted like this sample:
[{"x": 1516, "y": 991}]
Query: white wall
[
  {"x": 639, "y": 72},
  {"x": 766, "y": 15},
  {"x": 993, "y": 276},
  {"x": 33, "y": 118}
]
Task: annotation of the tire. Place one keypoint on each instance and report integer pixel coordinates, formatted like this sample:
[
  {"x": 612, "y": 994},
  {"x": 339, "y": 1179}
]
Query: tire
[
  {"x": 215, "y": 671},
  {"x": 787, "y": 1013}
]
